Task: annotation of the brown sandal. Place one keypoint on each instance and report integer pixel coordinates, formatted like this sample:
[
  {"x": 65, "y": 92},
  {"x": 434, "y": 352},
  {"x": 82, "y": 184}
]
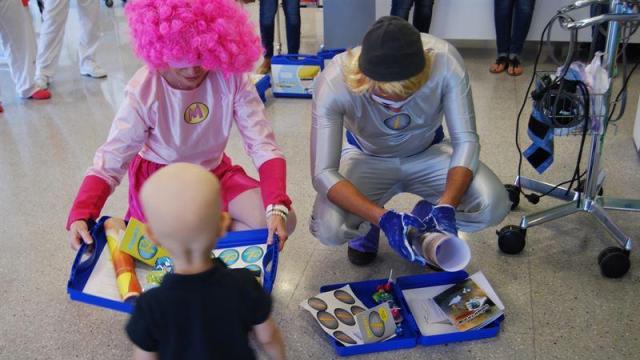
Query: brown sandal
[
  {"x": 515, "y": 67},
  {"x": 500, "y": 65}
]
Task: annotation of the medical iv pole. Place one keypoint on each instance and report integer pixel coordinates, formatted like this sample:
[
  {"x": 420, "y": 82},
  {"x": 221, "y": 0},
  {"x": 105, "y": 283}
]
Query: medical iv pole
[{"x": 613, "y": 261}]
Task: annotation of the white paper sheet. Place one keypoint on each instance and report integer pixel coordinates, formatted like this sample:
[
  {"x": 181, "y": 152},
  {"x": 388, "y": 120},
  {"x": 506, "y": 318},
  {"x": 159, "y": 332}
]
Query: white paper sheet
[
  {"x": 430, "y": 319},
  {"x": 244, "y": 257},
  {"x": 328, "y": 303}
]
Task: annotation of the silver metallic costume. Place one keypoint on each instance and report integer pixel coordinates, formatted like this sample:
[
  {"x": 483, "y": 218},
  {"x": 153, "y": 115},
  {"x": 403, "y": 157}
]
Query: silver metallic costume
[{"x": 389, "y": 153}]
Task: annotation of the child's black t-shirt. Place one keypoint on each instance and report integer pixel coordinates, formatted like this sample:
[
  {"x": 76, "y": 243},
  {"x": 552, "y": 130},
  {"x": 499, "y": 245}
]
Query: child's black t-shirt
[{"x": 202, "y": 316}]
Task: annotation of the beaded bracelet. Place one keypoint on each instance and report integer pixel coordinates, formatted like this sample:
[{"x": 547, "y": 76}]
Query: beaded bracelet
[{"x": 278, "y": 210}]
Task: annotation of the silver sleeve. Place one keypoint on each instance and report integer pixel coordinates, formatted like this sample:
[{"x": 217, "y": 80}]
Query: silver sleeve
[
  {"x": 326, "y": 136},
  {"x": 460, "y": 114}
]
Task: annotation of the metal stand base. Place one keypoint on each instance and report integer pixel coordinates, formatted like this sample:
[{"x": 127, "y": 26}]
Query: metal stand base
[
  {"x": 614, "y": 261},
  {"x": 597, "y": 207}
]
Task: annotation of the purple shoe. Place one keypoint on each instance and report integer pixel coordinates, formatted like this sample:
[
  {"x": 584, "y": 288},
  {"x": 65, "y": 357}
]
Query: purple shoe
[{"x": 363, "y": 250}]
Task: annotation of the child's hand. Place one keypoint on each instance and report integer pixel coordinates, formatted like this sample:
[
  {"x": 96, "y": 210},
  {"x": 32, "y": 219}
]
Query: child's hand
[
  {"x": 277, "y": 225},
  {"x": 225, "y": 223},
  {"x": 79, "y": 232}
]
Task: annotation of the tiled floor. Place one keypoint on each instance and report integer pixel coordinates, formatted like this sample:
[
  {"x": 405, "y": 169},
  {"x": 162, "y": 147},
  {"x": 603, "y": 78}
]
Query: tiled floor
[{"x": 558, "y": 304}]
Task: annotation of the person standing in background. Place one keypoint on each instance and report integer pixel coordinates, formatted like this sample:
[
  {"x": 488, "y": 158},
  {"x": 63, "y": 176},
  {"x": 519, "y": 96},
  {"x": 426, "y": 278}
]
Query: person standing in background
[
  {"x": 421, "y": 13},
  {"x": 513, "y": 18},
  {"x": 598, "y": 32},
  {"x": 52, "y": 35},
  {"x": 268, "y": 10},
  {"x": 18, "y": 42}
]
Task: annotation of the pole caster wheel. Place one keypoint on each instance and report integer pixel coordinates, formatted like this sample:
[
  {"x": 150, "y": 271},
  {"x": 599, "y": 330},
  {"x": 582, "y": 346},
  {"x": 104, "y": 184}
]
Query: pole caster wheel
[
  {"x": 614, "y": 262},
  {"x": 109, "y": 3},
  {"x": 514, "y": 195},
  {"x": 511, "y": 239}
]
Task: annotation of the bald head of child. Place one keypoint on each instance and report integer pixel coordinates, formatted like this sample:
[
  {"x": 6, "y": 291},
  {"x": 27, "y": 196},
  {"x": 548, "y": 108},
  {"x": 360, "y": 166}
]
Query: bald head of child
[{"x": 182, "y": 205}]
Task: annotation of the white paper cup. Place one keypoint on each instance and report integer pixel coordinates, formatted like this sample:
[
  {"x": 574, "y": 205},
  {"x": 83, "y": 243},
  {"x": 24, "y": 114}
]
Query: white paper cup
[{"x": 446, "y": 251}]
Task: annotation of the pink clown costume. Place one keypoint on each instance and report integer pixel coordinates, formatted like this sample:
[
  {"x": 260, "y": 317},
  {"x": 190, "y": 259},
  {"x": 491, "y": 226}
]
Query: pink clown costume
[{"x": 158, "y": 124}]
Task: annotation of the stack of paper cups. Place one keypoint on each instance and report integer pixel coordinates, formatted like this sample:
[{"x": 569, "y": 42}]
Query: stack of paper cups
[{"x": 446, "y": 251}]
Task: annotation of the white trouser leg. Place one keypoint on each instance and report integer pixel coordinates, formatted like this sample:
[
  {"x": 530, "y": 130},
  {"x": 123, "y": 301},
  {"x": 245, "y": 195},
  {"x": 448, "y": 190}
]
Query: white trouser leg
[
  {"x": 486, "y": 202},
  {"x": 377, "y": 178},
  {"x": 88, "y": 13},
  {"x": 19, "y": 43},
  {"x": 51, "y": 36}
]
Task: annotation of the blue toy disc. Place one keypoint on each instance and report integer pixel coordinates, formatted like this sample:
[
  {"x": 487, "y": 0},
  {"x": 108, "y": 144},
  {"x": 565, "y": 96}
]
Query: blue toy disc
[{"x": 252, "y": 254}]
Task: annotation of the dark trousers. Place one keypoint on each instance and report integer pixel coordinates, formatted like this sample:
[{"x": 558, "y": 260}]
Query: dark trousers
[
  {"x": 268, "y": 10},
  {"x": 513, "y": 18},
  {"x": 421, "y": 14},
  {"x": 598, "y": 33}
]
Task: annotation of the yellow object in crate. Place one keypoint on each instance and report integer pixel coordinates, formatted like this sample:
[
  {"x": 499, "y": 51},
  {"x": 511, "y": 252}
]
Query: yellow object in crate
[{"x": 136, "y": 244}]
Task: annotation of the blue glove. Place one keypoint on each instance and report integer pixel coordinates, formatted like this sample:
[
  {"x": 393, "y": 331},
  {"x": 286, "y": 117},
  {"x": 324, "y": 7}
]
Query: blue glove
[
  {"x": 422, "y": 210},
  {"x": 444, "y": 217},
  {"x": 396, "y": 227}
]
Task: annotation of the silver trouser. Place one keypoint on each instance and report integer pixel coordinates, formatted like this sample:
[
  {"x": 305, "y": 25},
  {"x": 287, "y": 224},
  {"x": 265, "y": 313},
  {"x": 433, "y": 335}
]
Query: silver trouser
[{"x": 485, "y": 203}]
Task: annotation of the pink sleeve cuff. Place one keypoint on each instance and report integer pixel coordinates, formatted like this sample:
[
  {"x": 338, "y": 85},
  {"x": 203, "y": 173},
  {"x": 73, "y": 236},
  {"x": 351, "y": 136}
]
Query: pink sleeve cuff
[
  {"x": 91, "y": 197},
  {"x": 273, "y": 182}
]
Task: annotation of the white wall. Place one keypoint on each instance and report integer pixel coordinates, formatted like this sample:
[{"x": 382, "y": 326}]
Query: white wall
[{"x": 473, "y": 19}]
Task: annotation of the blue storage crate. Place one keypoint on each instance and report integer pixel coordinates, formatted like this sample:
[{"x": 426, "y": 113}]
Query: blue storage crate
[
  {"x": 411, "y": 336},
  {"x": 328, "y": 54},
  {"x": 294, "y": 75},
  {"x": 85, "y": 261},
  {"x": 262, "y": 85},
  {"x": 364, "y": 290}
]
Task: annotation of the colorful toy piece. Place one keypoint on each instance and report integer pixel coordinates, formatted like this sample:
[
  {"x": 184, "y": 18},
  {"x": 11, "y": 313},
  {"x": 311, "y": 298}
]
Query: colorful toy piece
[
  {"x": 382, "y": 296},
  {"x": 125, "y": 268},
  {"x": 384, "y": 293}
]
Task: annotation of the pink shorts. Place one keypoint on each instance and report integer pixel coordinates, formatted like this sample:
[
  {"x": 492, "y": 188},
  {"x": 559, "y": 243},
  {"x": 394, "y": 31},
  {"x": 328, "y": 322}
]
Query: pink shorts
[{"x": 233, "y": 182}]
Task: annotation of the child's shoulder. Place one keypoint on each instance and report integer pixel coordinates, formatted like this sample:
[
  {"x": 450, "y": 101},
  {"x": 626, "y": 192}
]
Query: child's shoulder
[{"x": 143, "y": 81}]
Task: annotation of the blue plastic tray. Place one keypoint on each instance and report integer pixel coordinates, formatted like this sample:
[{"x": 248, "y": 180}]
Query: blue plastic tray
[
  {"x": 262, "y": 86},
  {"x": 329, "y": 54},
  {"x": 411, "y": 336},
  {"x": 81, "y": 270}
]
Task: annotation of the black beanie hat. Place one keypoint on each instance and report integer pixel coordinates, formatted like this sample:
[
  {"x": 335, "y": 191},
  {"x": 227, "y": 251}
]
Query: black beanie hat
[{"x": 391, "y": 50}]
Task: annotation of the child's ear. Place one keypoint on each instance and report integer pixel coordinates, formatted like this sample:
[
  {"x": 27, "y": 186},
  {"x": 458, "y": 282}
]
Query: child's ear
[
  {"x": 225, "y": 223},
  {"x": 151, "y": 235}
]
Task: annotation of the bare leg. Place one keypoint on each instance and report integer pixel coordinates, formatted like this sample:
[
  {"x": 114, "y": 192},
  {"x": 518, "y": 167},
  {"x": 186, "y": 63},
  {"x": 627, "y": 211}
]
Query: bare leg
[{"x": 247, "y": 212}]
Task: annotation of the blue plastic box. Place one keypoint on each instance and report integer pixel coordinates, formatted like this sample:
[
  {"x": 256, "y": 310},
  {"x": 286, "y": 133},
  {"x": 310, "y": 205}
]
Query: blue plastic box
[
  {"x": 81, "y": 270},
  {"x": 328, "y": 54},
  {"x": 293, "y": 76},
  {"x": 411, "y": 336},
  {"x": 262, "y": 86}
]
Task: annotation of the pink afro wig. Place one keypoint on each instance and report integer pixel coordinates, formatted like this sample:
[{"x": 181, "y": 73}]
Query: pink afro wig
[{"x": 216, "y": 34}]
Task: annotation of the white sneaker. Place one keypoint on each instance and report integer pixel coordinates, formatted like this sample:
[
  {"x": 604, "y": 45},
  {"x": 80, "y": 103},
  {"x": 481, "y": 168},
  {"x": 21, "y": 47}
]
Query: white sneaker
[
  {"x": 42, "y": 81},
  {"x": 92, "y": 69}
]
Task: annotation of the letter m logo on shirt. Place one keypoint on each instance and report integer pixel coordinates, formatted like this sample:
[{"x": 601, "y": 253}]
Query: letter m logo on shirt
[{"x": 196, "y": 113}]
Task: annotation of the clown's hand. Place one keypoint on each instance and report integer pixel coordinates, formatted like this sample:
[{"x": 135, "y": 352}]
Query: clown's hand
[
  {"x": 277, "y": 225},
  {"x": 396, "y": 226},
  {"x": 444, "y": 217},
  {"x": 79, "y": 233}
]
